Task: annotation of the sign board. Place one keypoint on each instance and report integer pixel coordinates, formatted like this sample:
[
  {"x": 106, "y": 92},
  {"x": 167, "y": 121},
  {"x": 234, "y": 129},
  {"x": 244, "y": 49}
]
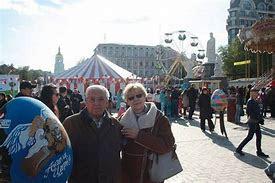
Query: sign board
[
  {"x": 9, "y": 84},
  {"x": 242, "y": 62}
]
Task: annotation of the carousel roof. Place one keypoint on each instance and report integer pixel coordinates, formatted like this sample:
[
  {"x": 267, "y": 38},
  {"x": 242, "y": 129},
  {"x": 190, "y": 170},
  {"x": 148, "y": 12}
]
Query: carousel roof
[
  {"x": 96, "y": 67},
  {"x": 260, "y": 37}
]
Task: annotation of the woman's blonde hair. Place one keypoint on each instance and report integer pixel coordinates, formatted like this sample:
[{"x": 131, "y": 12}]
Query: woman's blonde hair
[{"x": 134, "y": 86}]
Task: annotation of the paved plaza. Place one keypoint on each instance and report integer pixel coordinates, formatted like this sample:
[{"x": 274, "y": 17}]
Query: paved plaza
[{"x": 207, "y": 157}]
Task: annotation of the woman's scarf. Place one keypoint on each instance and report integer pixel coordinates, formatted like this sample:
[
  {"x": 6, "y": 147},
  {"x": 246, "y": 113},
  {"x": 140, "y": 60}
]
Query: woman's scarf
[{"x": 147, "y": 120}]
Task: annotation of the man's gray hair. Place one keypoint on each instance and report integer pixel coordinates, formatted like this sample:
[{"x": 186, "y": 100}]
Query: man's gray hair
[{"x": 97, "y": 88}]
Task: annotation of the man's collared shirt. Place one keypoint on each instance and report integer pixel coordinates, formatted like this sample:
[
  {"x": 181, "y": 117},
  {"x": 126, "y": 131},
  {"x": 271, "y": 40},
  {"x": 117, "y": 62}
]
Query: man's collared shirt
[{"x": 99, "y": 121}]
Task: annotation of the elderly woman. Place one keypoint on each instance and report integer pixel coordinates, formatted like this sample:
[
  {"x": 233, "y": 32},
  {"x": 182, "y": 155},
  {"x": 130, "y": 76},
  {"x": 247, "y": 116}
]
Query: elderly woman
[{"x": 137, "y": 122}]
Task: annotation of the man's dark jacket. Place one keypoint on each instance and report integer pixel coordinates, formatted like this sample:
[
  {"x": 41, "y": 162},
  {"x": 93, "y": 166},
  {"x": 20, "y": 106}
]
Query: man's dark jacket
[
  {"x": 253, "y": 109},
  {"x": 192, "y": 94},
  {"x": 20, "y": 94},
  {"x": 205, "y": 106},
  {"x": 96, "y": 151},
  {"x": 64, "y": 107}
]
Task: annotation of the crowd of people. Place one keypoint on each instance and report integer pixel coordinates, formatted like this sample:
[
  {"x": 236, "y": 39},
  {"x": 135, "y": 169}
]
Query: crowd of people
[
  {"x": 128, "y": 139},
  {"x": 62, "y": 101}
]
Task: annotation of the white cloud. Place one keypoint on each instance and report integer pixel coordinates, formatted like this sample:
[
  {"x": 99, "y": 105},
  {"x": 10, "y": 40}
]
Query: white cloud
[
  {"x": 59, "y": 2},
  {"x": 79, "y": 27},
  {"x": 129, "y": 21},
  {"x": 14, "y": 29},
  {"x": 28, "y": 7}
]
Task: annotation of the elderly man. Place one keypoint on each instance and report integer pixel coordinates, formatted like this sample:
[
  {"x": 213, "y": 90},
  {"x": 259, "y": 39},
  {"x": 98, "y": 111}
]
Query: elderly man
[{"x": 96, "y": 140}]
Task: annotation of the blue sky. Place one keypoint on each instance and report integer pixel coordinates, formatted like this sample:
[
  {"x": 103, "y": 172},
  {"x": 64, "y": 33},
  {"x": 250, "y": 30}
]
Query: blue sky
[{"x": 32, "y": 30}]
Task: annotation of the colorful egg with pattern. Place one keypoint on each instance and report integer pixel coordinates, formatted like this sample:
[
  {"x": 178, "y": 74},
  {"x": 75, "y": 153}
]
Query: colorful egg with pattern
[{"x": 33, "y": 143}]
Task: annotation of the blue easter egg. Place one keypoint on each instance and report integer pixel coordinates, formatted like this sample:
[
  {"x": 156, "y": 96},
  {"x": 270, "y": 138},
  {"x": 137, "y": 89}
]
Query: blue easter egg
[{"x": 35, "y": 141}]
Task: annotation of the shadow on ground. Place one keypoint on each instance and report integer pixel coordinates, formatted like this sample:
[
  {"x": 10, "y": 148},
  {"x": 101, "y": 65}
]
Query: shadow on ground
[
  {"x": 180, "y": 121},
  {"x": 268, "y": 131},
  {"x": 186, "y": 122},
  {"x": 253, "y": 160},
  {"x": 221, "y": 141}
]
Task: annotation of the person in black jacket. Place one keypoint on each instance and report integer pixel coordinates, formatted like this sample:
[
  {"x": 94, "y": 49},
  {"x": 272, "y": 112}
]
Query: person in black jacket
[
  {"x": 192, "y": 94},
  {"x": 254, "y": 121},
  {"x": 205, "y": 110},
  {"x": 26, "y": 88},
  {"x": 64, "y": 104},
  {"x": 76, "y": 99},
  {"x": 271, "y": 101}
]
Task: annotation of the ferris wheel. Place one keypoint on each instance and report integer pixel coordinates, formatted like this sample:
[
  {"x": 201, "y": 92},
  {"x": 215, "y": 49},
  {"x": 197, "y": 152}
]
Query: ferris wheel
[{"x": 189, "y": 53}]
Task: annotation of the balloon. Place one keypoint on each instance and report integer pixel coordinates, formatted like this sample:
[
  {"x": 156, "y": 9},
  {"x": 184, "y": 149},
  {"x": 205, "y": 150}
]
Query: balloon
[
  {"x": 218, "y": 100},
  {"x": 36, "y": 143}
]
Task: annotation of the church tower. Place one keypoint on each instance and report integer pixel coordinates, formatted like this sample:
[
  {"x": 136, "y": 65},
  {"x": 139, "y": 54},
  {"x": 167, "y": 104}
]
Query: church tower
[{"x": 59, "y": 65}]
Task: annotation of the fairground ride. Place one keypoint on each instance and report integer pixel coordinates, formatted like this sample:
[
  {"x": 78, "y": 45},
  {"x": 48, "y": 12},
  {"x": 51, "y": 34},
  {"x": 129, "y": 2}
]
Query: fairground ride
[{"x": 189, "y": 53}]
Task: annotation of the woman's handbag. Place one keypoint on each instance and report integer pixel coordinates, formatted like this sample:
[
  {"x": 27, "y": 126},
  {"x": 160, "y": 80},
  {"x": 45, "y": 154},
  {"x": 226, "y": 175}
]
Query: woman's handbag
[{"x": 164, "y": 166}]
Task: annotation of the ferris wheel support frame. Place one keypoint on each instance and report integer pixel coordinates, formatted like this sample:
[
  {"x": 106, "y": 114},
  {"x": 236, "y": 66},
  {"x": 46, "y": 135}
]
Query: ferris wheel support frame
[{"x": 180, "y": 59}]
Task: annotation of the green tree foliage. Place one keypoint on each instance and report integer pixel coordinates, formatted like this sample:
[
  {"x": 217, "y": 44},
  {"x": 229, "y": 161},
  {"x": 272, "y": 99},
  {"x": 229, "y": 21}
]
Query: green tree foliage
[
  {"x": 235, "y": 52},
  {"x": 6, "y": 69},
  {"x": 25, "y": 73},
  {"x": 230, "y": 54}
]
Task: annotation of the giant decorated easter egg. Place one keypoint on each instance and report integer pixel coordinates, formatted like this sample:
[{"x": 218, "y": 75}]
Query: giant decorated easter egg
[
  {"x": 34, "y": 145},
  {"x": 218, "y": 100}
]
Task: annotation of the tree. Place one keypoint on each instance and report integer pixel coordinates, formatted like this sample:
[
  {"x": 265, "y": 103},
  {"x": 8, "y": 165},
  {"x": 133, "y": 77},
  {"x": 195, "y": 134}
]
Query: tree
[
  {"x": 235, "y": 52},
  {"x": 25, "y": 73},
  {"x": 230, "y": 54},
  {"x": 6, "y": 69}
]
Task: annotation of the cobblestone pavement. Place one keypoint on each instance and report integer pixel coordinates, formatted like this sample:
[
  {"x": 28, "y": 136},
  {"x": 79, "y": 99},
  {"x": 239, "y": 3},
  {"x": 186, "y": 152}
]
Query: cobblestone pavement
[{"x": 207, "y": 157}]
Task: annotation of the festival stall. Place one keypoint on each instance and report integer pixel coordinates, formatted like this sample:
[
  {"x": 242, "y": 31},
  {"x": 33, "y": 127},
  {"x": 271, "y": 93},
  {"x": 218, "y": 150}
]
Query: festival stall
[{"x": 95, "y": 70}]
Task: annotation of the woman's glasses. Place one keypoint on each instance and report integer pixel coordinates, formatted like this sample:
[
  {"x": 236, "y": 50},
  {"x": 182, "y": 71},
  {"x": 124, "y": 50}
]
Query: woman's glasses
[{"x": 138, "y": 96}]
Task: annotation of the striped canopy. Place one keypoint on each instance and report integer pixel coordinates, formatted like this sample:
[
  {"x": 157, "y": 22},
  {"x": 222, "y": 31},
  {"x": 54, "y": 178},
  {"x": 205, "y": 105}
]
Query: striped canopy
[{"x": 96, "y": 67}]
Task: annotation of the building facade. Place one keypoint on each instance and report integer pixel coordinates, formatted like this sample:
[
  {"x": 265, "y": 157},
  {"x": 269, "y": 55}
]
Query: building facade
[
  {"x": 138, "y": 59},
  {"x": 59, "y": 65},
  {"x": 244, "y": 13}
]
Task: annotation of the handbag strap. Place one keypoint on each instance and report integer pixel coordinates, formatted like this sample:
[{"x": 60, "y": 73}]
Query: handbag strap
[
  {"x": 145, "y": 154},
  {"x": 158, "y": 116},
  {"x": 143, "y": 166},
  {"x": 154, "y": 131}
]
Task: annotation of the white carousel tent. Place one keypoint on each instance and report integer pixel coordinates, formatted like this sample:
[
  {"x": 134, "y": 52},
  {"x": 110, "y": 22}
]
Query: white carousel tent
[{"x": 96, "y": 67}]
